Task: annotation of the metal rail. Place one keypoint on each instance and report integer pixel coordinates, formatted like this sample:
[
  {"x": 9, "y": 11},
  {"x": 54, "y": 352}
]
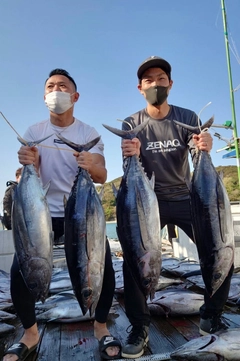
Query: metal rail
[{"x": 155, "y": 357}]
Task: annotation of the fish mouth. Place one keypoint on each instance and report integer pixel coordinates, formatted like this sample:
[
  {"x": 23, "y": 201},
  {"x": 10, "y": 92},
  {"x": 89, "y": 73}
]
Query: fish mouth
[
  {"x": 86, "y": 300},
  {"x": 87, "y": 293},
  {"x": 37, "y": 277}
]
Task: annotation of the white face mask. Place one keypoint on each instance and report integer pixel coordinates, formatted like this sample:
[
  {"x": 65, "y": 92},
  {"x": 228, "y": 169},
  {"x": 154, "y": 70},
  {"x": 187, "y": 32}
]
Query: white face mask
[{"x": 58, "y": 102}]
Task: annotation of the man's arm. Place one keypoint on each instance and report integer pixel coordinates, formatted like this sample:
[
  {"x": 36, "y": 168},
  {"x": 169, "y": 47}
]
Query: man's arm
[{"x": 98, "y": 170}]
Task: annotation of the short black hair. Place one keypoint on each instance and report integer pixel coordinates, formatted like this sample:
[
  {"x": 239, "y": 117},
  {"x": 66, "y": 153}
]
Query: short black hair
[{"x": 61, "y": 72}]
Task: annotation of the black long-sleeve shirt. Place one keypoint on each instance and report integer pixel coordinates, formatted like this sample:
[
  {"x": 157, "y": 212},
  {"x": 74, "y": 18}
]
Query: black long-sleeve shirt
[{"x": 165, "y": 150}]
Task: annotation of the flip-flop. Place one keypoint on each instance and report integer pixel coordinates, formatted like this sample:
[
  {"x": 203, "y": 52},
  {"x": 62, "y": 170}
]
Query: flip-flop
[
  {"x": 21, "y": 350},
  {"x": 109, "y": 341}
]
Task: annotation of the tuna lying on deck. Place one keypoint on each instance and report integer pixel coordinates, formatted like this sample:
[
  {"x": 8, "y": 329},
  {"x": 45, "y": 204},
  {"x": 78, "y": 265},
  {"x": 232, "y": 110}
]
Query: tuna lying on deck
[
  {"x": 175, "y": 302},
  {"x": 216, "y": 347},
  {"x": 63, "y": 307}
]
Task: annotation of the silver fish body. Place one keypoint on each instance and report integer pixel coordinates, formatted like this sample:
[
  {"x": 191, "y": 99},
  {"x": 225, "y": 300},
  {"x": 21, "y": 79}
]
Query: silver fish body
[
  {"x": 63, "y": 308},
  {"x": 85, "y": 241},
  {"x": 175, "y": 302},
  {"x": 4, "y": 316},
  {"x": 138, "y": 221},
  {"x": 215, "y": 347},
  {"x": 138, "y": 226},
  {"x": 212, "y": 223},
  {"x": 85, "y": 236},
  {"x": 6, "y": 328},
  {"x": 32, "y": 233},
  {"x": 212, "y": 220}
]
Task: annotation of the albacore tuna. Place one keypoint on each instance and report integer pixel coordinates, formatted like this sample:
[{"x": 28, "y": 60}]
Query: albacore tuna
[
  {"x": 212, "y": 220},
  {"x": 223, "y": 345},
  {"x": 32, "y": 230},
  {"x": 85, "y": 236},
  {"x": 138, "y": 221}
]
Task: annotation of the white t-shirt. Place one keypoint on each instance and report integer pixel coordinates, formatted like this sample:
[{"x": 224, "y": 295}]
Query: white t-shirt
[{"x": 57, "y": 163}]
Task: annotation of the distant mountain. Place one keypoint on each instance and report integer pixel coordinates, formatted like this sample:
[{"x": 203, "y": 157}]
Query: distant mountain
[
  {"x": 108, "y": 201},
  {"x": 228, "y": 173}
]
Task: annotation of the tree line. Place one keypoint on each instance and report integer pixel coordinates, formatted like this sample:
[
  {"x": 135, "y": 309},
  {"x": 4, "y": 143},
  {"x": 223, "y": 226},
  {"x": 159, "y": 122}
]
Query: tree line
[{"x": 228, "y": 174}]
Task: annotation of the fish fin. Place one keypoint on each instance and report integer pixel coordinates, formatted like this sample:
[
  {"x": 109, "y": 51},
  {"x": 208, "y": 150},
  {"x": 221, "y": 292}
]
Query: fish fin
[
  {"x": 127, "y": 134},
  {"x": 221, "y": 174},
  {"x": 52, "y": 319},
  {"x": 32, "y": 143},
  {"x": 92, "y": 309},
  {"x": 152, "y": 294},
  {"x": 101, "y": 193},
  {"x": 166, "y": 309},
  {"x": 79, "y": 147},
  {"x": 65, "y": 201},
  {"x": 114, "y": 189},
  {"x": 189, "y": 185},
  {"x": 46, "y": 188},
  {"x": 152, "y": 180}
]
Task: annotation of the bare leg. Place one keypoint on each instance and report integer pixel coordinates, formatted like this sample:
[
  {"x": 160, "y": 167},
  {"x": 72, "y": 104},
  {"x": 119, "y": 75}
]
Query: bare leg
[
  {"x": 100, "y": 330},
  {"x": 30, "y": 338}
]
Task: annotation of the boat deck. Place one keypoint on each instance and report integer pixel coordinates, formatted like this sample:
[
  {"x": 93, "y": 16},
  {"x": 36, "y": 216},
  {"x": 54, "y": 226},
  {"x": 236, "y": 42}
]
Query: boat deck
[{"x": 75, "y": 341}]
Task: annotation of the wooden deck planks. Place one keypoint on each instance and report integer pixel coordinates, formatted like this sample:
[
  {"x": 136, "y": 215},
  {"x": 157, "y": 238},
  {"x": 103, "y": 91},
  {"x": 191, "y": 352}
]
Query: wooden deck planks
[{"x": 76, "y": 342}]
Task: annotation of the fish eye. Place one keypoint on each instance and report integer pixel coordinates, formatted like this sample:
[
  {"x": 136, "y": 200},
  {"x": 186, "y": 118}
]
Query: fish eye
[
  {"x": 87, "y": 292},
  {"x": 217, "y": 276},
  {"x": 146, "y": 282}
]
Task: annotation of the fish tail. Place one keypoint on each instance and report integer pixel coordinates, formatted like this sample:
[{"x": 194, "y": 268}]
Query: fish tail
[
  {"x": 196, "y": 130},
  {"x": 32, "y": 143},
  {"x": 79, "y": 147},
  {"x": 127, "y": 134}
]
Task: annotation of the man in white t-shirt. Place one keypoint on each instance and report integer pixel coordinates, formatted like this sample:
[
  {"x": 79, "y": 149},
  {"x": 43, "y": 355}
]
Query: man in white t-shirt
[{"x": 60, "y": 167}]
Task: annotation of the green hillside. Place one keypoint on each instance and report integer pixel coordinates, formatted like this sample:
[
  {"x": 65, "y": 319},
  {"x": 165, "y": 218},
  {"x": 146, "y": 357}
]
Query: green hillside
[
  {"x": 230, "y": 180},
  {"x": 108, "y": 201}
]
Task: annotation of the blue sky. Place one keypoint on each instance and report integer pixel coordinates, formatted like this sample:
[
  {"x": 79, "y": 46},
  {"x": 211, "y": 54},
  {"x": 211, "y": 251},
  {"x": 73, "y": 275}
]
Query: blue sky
[{"x": 101, "y": 44}]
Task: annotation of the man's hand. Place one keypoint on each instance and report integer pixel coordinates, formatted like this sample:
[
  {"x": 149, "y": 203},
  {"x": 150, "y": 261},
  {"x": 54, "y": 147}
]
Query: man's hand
[
  {"x": 131, "y": 147},
  {"x": 203, "y": 141},
  {"x": 84, "y": 160},
  {"x": 93, "y": 163},
  {"x": 28, "y": 155}
]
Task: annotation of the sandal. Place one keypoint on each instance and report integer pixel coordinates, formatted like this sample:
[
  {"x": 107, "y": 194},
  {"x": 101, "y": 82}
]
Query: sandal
[
  {"x": 109, "y": 341},
  {"x": 21, "y": 350}
]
